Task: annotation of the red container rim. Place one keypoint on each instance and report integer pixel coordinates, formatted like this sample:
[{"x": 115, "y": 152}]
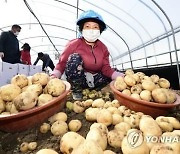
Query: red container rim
[
  {"x": 38, "y": 108},
  {"x": 147, "y": 103}
]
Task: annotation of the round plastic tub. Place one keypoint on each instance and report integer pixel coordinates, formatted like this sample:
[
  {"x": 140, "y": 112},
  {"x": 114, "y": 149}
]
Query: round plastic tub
[
  {"x": 150, "y": 108},
  {"x": 28, "y": 119}
]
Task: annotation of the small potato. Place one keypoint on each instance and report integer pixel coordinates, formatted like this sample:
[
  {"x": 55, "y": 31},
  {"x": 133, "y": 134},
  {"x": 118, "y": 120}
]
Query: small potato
[
  {"x": 146, "y": 95},
  {"x": 104, "y": 116},
  {"x": 136, "y": 89},
  {"x": 44, "y": 128},
  {"x": 136, "y": 96},
  {"x": 164, "y": 83},
  {"x": 78, "y": 107},
  {"x": 43, "y": 99},
  {"x": 75, "y": 125},
  {"x": 61, "y": 116},
  {"x": 123, "y": 126},
  {"x": 24, "y": 147},
  {"x": 32, "y": 146},
  {"x": 59, "y": 128},
  {"x": 40, "y": 78},
  {"x": 148, "y": 85},
  {"x": 20, "y": 80},
  {"x": 129, "y": 80},
  {"x": 126, "y": 92},
  {"x": 129, "y": 72},
  {"x": 91, "y": 114},
  {"x": 99, "y": 102},
  {"x": 120, "y": 84},
  {"x": 155, "y": 78}
]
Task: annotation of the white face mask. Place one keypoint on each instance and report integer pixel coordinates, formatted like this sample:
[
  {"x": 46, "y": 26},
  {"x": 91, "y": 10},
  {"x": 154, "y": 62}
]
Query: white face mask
[
  {"x": 90, "y": 35},
  {"x": 16, "y": 33}
]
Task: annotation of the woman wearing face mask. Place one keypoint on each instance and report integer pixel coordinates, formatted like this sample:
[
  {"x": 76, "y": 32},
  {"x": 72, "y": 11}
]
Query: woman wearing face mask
[
  {"x": 85, "y": 60},
  {"x": 9, "y": 45}
]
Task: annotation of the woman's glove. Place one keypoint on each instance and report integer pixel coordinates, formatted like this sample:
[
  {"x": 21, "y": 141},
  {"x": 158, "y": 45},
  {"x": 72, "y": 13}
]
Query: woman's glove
[
  {"x": 56, "y": 74},
  {"x": 116, "y": 74}
]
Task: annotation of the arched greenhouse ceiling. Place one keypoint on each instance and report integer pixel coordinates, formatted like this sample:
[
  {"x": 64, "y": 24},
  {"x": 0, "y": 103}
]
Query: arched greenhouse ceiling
[{"x": 138, "y": 30}]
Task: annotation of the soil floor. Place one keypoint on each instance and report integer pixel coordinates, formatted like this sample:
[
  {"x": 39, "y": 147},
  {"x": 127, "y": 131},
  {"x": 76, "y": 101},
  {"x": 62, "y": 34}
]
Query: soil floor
[{"x": 10, "y": 142}]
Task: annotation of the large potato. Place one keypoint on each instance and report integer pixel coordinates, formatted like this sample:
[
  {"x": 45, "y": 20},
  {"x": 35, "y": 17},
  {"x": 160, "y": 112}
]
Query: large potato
[
  {"x": 70, "y": 141},
  {"x": 9, "y": 92},
  {"x": 41, "y": 78},
  {"x": 43, "y": 99},
  {"x": 36, "y": 88},
  {"x": 55, "y": 87},
  {"x": 159, "y": 95},
  {"x": 26, "y": 100},
  {"x": 20, "y": 80}
]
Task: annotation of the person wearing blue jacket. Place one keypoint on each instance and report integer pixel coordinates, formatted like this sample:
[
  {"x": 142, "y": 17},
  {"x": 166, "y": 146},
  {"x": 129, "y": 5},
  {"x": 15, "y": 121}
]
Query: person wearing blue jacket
[
  {"x": 9, "y": 45},
  {"x": 46, "y": 61}
]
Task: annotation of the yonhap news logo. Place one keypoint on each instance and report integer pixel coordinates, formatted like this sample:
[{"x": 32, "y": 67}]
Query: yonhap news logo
[{"x": 136, "y": 138}]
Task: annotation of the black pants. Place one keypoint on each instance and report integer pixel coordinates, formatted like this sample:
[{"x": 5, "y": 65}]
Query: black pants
[
  {"x": 51, "y": 65},
  {"x": 75, "y": 75}
]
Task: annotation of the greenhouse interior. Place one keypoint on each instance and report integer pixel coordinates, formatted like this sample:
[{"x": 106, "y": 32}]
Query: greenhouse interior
[{"x": 137, "y": 111}]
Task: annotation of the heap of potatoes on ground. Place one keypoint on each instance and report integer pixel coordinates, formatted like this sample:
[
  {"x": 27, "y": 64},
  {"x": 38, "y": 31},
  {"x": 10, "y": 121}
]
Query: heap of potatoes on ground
[{"x": 112, "y": 123}]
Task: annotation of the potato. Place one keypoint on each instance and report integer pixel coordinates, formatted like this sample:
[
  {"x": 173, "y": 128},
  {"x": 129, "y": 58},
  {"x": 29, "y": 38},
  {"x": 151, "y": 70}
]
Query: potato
[
  {"x": 123, "y": 127},
  {"x": 10, "y": 107},
  {"x": 37, "y": 88},
  {"x": 129, "y": 80},
  {"x": 136, "y": 96},
  {"x": 43, "y": 99},
  {"x": 155, "y": 78},
  {"x": 40, "y": 78},
  {"x": 9, "y": 92},
  {"x": 46, "y": 151},
  {"x": 78, "y": 107},
  {"x": 87, "y": 103},
  {"x": 99, "y": 102},
  {"x": 102, "y": 127},
  {"x": 164, "y": 83},
  {"x": 91, "y": 114},
  {"x": 119, "y": 84},
  {"x": 170, "y": 96},
  {"x": 88, "y": 147},
  {"x": 55, "y": 87},
  {"x": 136, "y": 77},
  {"x": 59, "y": 128},
  {"x": 132, "y": 120},
  {"x": 149, "y": 126},
  {"x": 45, "y": 127},
  {"x": 159, "y": 95},
  {"x": 24, "y": 147},
  {"x": 25, "y": 101},
  {"x": 32, "y": 146},
  {"x": 164, "y": 124},
  {"x": 70, "y": 141},
  {"x": 69, "y": 105},
  {"x": 104, "y": 116},
  {"x": 175, "y": 122},
  {"x": 116, "y": 119},
  {"x": 136, "y": 89},
  {"x": 75, "y": 125},
  {"x": 146, "y": 95},
  {"x": 129, "y": 146},
  {"x": 148, "y": 85},
  {"x": 115, "y": 138},
  {"x": 20, "y": 80},
  {"x": 129, "y": 72},
  {"x": 61, "y": 116},
  {"x": 2, "y": 105},
  {"x": 162, "y": 149},
  {"x": 98, "y": 136},
  {"x": 29, "y": 80}
]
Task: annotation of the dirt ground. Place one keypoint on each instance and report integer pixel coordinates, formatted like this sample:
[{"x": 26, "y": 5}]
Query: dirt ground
[{"x": 10, "y": 142}]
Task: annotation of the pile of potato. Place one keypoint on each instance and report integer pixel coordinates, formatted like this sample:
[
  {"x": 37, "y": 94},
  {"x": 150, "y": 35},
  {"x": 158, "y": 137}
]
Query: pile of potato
[
  {"x": 112, "y": 124},
  {"x": 149, "y": 88},
  {"x": 25, "y": 92}
]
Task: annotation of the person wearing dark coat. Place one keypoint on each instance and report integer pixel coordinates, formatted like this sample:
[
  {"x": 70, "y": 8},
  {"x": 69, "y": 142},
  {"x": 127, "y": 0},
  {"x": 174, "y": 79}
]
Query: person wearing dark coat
[
  {"x": 9, "y": 45},
  {"x": 46, "y": 61}
]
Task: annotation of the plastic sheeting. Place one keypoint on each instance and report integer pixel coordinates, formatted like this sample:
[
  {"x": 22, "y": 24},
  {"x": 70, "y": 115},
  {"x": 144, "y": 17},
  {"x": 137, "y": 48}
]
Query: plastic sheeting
[{"x": 138, "y": 31}]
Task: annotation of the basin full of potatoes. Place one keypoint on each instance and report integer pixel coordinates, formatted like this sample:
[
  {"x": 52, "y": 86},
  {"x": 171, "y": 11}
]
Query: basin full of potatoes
[
  {"x": 149, "y": 94},
  {"x": 28, "y": 100}
]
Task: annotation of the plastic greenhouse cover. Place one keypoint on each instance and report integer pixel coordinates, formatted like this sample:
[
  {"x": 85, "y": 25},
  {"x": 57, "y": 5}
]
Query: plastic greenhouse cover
[{"x": 138, "y": 30}]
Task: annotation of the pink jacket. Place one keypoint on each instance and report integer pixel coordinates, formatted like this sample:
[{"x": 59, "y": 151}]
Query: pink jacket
[{"x": 96, "y": 59}]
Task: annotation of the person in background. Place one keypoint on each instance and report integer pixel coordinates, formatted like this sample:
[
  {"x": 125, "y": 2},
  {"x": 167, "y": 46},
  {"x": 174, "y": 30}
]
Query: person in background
[
  {"x": 85, "y": 60},
  {"x": 46, "y": 61},
  {"x": 9, "y": 45},
  {"x": 25, "y": 54}
]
